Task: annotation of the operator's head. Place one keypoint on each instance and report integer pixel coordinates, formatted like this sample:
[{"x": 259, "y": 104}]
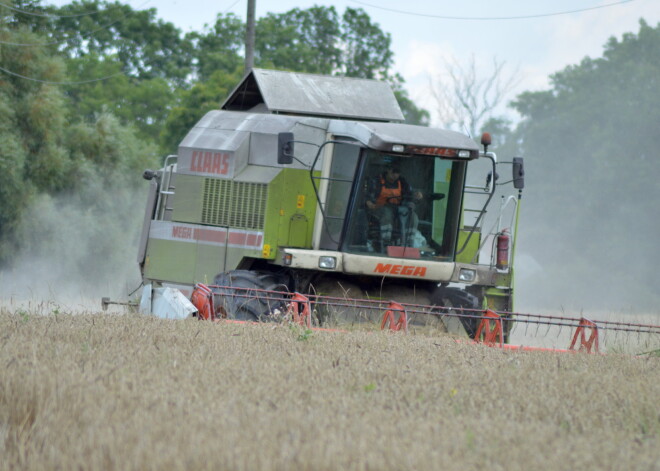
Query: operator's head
[{"x": 393, "y": 172}]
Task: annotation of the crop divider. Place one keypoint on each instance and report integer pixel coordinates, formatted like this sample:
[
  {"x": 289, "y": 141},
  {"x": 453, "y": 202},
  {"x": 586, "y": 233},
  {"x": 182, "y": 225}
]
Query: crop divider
[
  {"x": 202, "y": 299},
  {"x": 585, "y": 344},
  {"x": 490, "y": 333},
  {"x": 302, "y": 317},
  {"x": 401, "y": 323}
]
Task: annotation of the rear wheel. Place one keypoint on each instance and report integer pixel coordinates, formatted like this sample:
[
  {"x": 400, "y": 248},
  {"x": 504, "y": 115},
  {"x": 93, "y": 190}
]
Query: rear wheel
[{"x": 250, "y": 303}]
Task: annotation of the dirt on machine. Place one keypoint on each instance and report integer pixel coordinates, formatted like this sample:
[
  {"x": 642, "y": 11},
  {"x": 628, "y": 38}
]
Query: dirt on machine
[{"x": 313, "y": 185}]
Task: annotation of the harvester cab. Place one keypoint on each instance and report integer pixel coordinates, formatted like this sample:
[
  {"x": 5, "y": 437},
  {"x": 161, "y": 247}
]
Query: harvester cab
[{"x": 312, "y": 184}]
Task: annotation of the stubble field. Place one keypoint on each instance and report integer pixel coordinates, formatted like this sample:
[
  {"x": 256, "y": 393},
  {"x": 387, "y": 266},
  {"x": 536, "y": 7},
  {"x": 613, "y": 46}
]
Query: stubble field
[{"x": 112, "y": 391}]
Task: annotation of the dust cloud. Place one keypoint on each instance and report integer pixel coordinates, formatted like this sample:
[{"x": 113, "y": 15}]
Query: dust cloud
[
  {"x": 76, "y": 249},
  {"x": 587, "y": 248},
  {"x": 583, "y": 248}
]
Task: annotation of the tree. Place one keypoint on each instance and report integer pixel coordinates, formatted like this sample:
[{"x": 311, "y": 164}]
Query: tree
[
  {"x": 32, "y": 126},
  {"x": 145, "y": 46},
  {"x": 314, "y": 40},
  {"x": 366, "y": 47},
  {"x": 146, "y": 59},
  {"x": 41, "y": 152},
  {"x": 195, "y": 103},
  {"x": 132, "y": 62},
  {"x": 412, "y": 114},
  {"x": 218, "y": 47},
  {"x": 82, "y": 239},
  {"x": 466, "y": 99},
  {"x": 142, "y": 103},
  {"x": 311, "y": 38}
]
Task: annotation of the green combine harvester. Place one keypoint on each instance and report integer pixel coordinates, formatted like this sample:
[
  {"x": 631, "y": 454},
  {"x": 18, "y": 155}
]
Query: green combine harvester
[{"x": 312, "y": 184}]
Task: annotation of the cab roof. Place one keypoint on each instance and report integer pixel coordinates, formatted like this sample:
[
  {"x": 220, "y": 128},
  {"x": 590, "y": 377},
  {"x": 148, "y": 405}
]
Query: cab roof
[{"x": 382, "y": 136}]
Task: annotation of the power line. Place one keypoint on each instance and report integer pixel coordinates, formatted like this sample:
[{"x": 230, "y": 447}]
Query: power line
[
  {"x": 53, "y": 43},
  {"x": 48, "y": 15},
  {"x": 490, "y": 18},
  {"x": 2, "y": 69},
  {"x": 80, "y": 82},
  {"x": 231, "y": 6}
]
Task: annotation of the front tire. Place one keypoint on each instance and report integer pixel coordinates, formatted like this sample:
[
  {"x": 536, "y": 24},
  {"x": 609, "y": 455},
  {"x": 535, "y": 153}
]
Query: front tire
[
  {"x": 455, "y": 300},
  {"x": 250, "y": 303}
]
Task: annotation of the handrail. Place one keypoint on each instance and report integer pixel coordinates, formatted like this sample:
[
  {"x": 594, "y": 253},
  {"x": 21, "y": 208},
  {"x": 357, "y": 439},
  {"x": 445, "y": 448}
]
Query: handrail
[{"x": 164, "y": 186}]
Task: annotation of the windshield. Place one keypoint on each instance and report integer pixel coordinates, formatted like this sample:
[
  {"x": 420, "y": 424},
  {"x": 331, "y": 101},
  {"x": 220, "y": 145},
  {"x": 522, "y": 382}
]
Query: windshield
[{"x": 405, "y": 206}]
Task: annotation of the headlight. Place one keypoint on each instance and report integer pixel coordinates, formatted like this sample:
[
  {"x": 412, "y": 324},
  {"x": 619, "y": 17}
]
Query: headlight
[
  {"x": 467, "y": 275},
  {"x": 327, "y": 262},
  {"x": 464, "y": 154}
]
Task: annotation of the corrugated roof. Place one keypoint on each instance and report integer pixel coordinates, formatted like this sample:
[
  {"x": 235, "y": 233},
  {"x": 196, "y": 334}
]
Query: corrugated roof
[
  {"x": 383, "y": 135},
  {"x": 315, "y": 95}
]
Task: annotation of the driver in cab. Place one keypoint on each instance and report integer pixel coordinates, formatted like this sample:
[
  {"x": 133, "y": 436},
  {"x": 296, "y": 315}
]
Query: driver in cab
[{"x": 389, "y": 196}]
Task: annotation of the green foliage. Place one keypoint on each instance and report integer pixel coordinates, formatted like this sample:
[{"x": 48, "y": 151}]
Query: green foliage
[
  {"x": 24, "y": 315},
  {"x": 305, "y": 334},
  {"x": 14, "y": 193},
  {"x": 370, "y": 387},
  {"x": 366, "y": 47},
  {"x": 302, "y": 333},
  {"x": 32, "y": 158},
  {"x": 144, "y": 103},
  {"x": 106, "y": 144},
  {"x": 311, "y": 37},
  {"x": 411, "y": 113},
  {"x": 46, "y": 148},
  {"x": 145, "y": 46},
  {"x": 146, "y": 59},
  {"x": 82, "y": 232},
  {"x": 13, "y": 18},
  {"x": 194, "y": 103},
  {"x": 316, "y": 40},
  {"x": 218, "y": 48}
]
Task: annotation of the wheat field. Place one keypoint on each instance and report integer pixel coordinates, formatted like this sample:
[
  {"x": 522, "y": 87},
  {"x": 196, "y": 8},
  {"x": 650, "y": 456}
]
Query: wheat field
[{"x": 130, "y": 392}]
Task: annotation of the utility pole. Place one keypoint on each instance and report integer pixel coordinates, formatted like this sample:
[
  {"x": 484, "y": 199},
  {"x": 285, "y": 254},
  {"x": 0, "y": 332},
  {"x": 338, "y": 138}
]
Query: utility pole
[{"x": 249, "y": 36}]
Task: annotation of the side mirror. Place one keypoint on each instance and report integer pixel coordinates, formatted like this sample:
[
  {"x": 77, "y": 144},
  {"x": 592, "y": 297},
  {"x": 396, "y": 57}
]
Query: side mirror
[
  {"x": 518, "y": 173},
  {"x": 149, "y": 174},
  {"x": 285, "y": 148}
]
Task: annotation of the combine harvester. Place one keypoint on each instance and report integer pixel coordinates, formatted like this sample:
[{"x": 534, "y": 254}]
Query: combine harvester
[{"x": 306, "y": 196}]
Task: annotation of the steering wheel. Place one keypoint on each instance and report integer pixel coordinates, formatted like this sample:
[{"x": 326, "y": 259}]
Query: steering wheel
[
  {"x": 394, "y": 200},
  {"x": 436, "y": 196}
]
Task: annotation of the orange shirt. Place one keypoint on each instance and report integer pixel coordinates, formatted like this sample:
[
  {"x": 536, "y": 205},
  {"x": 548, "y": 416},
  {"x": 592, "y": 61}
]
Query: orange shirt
[{"x": 389, "y": 195}]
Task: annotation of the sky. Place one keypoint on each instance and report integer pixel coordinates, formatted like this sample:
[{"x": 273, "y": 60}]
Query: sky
[{"x": 532, "y": 48}]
